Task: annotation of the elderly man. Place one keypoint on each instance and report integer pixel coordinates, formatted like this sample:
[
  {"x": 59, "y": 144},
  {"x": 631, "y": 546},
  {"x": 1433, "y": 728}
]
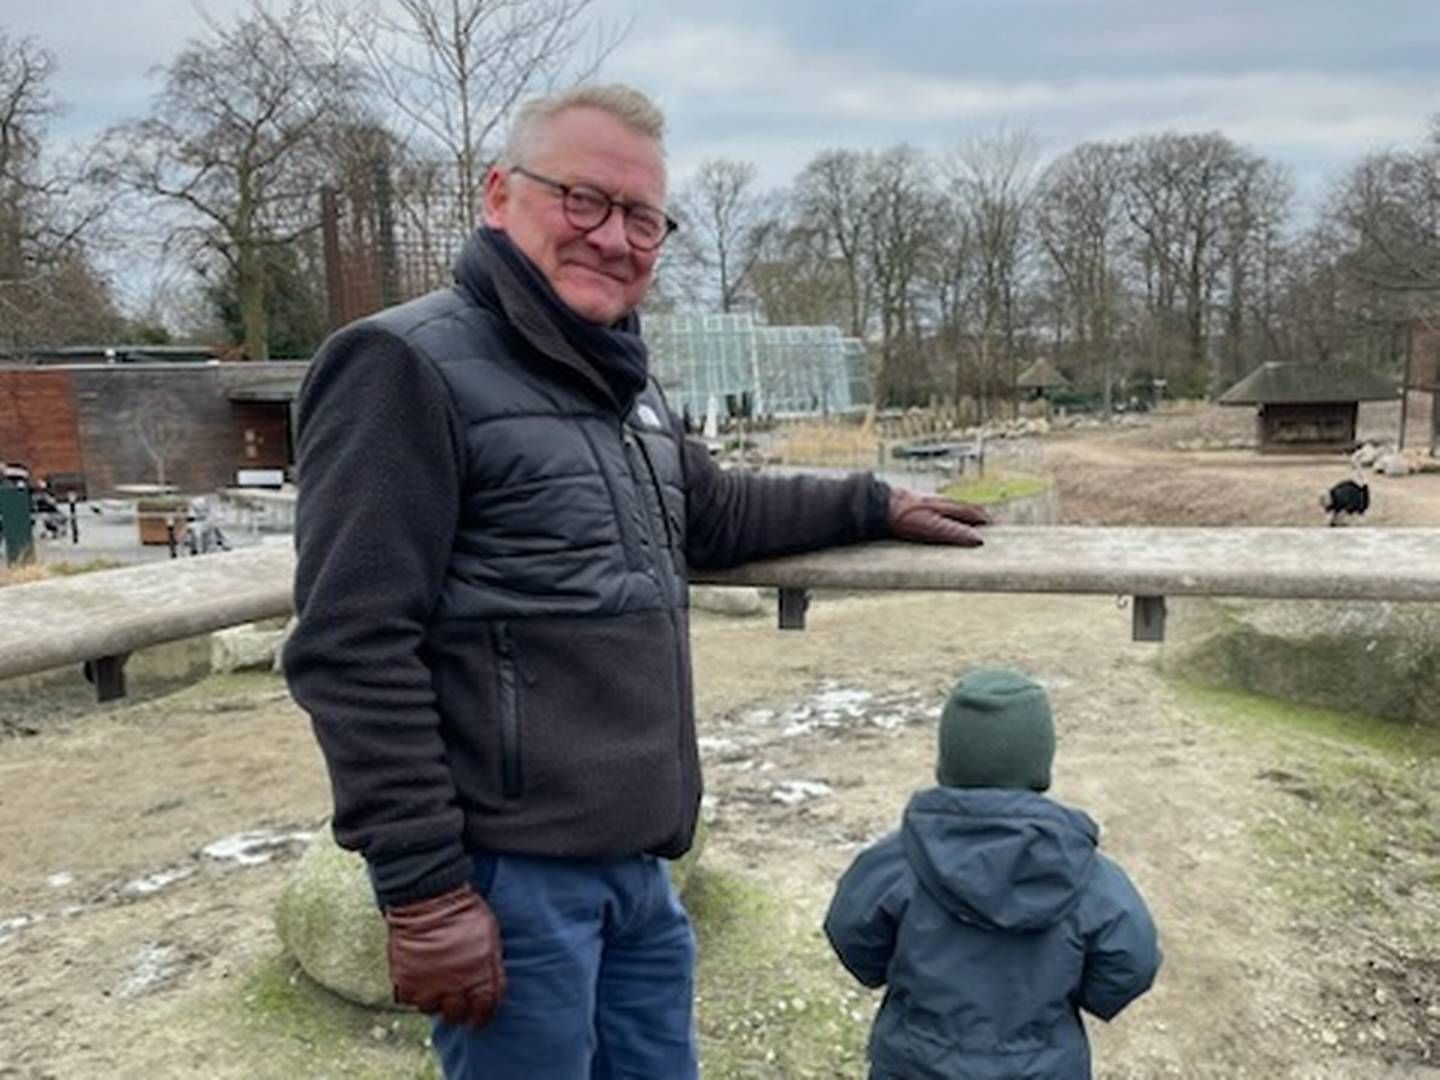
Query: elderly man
[{"x": 497, "y": 514}]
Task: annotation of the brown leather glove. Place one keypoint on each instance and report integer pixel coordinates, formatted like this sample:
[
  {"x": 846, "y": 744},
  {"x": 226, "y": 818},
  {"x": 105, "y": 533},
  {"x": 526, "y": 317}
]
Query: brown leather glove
[
  {"x": 931, "y": 519},
  {"x": 445, "y": 957}
]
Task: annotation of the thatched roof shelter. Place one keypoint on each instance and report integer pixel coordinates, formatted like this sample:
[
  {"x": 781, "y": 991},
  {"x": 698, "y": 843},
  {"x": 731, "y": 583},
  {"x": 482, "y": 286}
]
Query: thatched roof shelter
[
  {"x": 1041, "y": 375},
  {"x": 1307, "y": 407},
  {"x": 1299, "y": 383}
]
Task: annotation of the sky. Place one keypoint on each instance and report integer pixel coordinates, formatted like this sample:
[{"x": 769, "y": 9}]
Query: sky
[{"x": 1312, "y": 84}]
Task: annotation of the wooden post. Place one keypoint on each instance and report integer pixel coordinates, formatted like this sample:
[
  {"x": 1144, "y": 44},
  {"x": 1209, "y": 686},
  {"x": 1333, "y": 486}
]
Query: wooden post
[{"x": 1405, "y": 383}]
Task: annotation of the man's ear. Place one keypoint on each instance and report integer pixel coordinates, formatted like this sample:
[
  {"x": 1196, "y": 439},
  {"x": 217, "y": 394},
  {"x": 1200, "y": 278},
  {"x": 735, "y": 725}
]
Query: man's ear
[{"x": 497, "y": 197}]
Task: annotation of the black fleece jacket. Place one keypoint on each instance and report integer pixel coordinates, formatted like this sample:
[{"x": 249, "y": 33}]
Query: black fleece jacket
[{"x": 474, "y": 681}]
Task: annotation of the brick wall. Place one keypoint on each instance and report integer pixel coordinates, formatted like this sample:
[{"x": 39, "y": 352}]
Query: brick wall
[{"x": 38, "y": 426}]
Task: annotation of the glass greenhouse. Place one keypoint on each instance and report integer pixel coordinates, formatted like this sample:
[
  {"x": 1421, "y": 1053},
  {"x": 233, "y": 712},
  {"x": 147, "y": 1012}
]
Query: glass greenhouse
[{"x": 722, "y": 363}]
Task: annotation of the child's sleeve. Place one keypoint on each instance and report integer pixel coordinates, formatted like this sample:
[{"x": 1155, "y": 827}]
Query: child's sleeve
[
  {"x": 1122, "y": 954},
  {"x": 866, "y": 909}
]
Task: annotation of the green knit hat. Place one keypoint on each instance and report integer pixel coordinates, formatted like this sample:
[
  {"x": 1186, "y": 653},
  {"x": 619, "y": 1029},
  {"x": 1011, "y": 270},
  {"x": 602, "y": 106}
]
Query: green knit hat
[{"x": 996, "y": 731}]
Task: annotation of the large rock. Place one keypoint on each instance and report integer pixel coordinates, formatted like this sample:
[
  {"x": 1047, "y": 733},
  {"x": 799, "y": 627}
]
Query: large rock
[
  {"x": 740, "y": 601},
  {"x": 241, "y": 648},
  {"x": 327, "y": 918},
  {"x": 1372, "y": 657}
]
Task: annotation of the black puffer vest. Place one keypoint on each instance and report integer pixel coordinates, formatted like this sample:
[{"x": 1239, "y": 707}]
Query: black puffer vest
[{"x": 559, "y": 645}]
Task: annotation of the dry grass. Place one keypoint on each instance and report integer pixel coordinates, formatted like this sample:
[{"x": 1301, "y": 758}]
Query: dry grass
[
  {"x": 819, "y": 444},
  {"x": 19, "y": 575}
]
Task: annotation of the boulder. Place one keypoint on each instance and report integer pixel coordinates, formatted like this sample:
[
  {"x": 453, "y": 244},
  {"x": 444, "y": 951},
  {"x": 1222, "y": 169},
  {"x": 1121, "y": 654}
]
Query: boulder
[
  {"x": 241, "y": 648},
  {"x": 740, "y": 601},
  {"x": 327, "y": 918},
  {"x": 278, "y": 666},
  {"x": 1394, "y": 465}
]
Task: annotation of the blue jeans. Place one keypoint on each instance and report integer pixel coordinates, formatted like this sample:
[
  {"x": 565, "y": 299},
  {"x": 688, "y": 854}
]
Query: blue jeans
[{"x": 600, "y": 967}]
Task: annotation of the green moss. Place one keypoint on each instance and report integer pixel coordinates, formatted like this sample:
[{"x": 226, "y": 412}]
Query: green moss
[
  {"x": 213, "y": 690},
  {"x": 770, "y": 1000},
  {"x": 1266, "y": 715},
  {"x": 291, "y": 1027},
  {"x": 997, "y": 486},
  {"x": 1360, "y": 834}
]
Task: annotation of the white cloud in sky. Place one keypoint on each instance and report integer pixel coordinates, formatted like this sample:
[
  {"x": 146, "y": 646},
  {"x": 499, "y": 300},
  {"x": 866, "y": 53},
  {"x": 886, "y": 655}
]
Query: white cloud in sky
[{"x": 1314, "y": 85}]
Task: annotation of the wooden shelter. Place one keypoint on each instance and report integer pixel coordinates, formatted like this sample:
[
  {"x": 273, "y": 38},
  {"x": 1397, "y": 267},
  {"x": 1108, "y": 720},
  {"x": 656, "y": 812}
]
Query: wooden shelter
[
  {"x": 1305, "y": 407},
  {"x": 1037, "y": 380}
]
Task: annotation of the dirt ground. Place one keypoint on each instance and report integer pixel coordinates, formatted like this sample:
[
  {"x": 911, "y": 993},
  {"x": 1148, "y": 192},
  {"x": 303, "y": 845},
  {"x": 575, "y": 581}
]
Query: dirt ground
[{"x": 142, "y": 847}]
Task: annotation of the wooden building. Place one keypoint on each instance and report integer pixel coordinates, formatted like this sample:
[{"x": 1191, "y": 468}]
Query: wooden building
[
  {"x": 124, "y": 422},
  {"x": 1304, "y": 408},
  {"x": 1039, "y": 379}
]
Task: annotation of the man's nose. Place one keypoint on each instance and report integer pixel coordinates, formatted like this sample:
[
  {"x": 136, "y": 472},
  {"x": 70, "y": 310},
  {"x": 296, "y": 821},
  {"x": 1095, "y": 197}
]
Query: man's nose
[{"x": 609, "y": 236}]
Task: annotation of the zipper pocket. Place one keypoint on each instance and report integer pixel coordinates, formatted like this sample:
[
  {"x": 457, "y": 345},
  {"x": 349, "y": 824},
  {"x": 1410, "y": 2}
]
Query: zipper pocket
[{"x": 511, "y": 780}]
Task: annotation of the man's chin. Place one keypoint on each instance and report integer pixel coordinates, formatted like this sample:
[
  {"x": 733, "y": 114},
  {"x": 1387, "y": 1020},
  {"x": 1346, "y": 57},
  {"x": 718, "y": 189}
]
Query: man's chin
[{"x": 593, "y": 307}]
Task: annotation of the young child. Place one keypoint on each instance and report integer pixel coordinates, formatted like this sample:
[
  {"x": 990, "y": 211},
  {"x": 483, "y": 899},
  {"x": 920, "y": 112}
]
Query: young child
[{"x": 990, "y": 917}]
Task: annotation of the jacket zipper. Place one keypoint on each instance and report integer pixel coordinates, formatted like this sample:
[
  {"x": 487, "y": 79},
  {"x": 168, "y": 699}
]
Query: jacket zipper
[
  {"x": 659, "y": 493},
  {"x": 633, "y": 449},
  {"x": 511, "y": 781}
]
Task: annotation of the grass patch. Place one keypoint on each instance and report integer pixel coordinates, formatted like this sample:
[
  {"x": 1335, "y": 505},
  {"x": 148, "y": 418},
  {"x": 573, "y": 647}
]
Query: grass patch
[
  {"x": 770, "y": 1001},
  {"x": 997, "y": 486},
  {"x": 1360, "y": 838},
  {"x": 1273, "y": 716},
  {"x": 837, "y": 445},
  {"x": 288, "y": 1027},
  {"x": 23, "y": 573}
]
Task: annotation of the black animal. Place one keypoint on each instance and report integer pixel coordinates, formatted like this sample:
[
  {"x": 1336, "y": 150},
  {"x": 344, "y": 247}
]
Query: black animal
[{"x": 1347, "y": 499}]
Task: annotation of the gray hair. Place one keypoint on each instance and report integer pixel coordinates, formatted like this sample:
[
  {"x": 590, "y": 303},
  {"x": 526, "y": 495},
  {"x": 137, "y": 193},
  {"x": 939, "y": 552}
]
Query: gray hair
[{"x": 626, "y": 104}]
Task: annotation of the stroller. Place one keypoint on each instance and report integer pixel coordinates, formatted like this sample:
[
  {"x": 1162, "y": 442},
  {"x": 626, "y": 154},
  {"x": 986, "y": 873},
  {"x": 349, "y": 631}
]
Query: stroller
[{"x": 53, "y": 520}]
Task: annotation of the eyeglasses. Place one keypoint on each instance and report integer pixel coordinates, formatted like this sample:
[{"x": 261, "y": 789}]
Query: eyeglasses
[{"x": 587, "y": 208}]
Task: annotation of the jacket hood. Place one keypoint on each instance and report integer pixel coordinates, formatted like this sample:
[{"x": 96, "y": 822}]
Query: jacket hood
[{"x": 997, "y": 858}]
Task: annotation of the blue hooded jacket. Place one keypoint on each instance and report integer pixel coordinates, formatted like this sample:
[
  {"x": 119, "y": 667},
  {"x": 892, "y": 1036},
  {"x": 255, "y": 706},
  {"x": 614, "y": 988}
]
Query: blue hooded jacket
[{"x": 991, "y": 919}]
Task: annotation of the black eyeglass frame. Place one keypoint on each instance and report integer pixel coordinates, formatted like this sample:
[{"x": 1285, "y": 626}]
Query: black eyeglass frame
[{"x": 564, "y": 190}]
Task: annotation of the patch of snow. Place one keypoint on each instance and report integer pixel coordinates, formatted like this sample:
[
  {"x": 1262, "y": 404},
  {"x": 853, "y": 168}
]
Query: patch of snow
[
  {"x": 153, "y": 883},
  {"x": 792, "y": 792},
  {"x": 712, "y": 744},
  {"x": 253, "y": 847},
  {"x": 11, "y": 927}
]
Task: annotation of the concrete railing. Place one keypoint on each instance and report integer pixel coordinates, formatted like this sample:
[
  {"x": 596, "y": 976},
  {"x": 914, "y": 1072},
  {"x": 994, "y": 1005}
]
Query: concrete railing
[{"x": 99, "y": 619}]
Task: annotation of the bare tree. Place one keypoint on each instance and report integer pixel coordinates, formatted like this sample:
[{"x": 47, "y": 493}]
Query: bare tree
[
  {"x": 831, "y": 198},
  {"x": 1079, "y": 221},
  {"x": 26, "y": 107},
  {"x": 992, "y": 180},
  {"x": 49, "y": 291},
  {"x": 903, "y": 215},
  {"x": 1254, "y": 245},
  {"x": 1391, "y": 202},
  {"x": 726, "y": 221},
  {"x": 160, "y": 428},
  {"x": 796, "y": 280},
  {"x": 1180, "y": 193},
  {"x": 232, "y": 145},
  {"x": 455, "y": 69}
]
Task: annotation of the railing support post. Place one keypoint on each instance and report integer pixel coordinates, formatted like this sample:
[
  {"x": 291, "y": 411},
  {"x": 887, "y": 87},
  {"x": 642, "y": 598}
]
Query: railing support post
[
  {"x": 107, "y": 674},
  {"x": 793, "y": 604},
  {"x": 1147, "y": 619}
]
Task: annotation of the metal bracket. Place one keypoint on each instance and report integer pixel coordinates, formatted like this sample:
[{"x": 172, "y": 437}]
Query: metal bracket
[
  {"x": 107, "y": 674},
  {"x": 793, "y": 604},
  {"x": 1147, "y": 619}
]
